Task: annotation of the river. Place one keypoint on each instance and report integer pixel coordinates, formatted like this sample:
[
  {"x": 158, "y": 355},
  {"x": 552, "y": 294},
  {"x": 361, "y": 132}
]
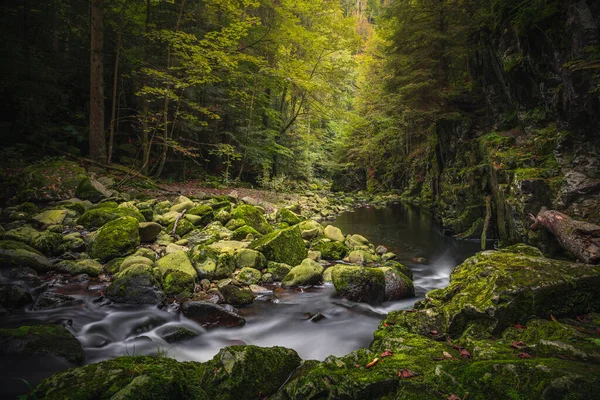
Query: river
[{"x": 280, "y": 319}]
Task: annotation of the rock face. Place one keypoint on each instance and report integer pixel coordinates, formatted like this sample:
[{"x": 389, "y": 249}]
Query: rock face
[
  {"x": 359, "y": 283},
  {"x": 283, "y": 246},
  {"x": 116, "y": 239},
  {"x": 210, "y": 315},
  {"x": 236, "y": 373}
]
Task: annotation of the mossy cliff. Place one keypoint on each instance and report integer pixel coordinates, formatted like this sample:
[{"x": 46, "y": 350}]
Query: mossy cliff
[{"x": 511, "y": 324}]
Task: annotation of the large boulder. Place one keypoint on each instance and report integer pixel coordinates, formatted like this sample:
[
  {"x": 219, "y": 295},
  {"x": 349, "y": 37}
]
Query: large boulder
[
  {"x": 277, "y": 270},
  {"x": 333, "y": 233},
  {"x": 41, "y": 340},
  {"x": 288, "y": 217},
  {"x": 92, "y": 190},
  {"x": 236, "y": 296},
  {"x": 249, "y": 276},
  {"x": 308, "y": 272},
  {"x": 88, "y": 266},
  {"x": 210, "y": 315},
  {"x": 117, "y": 238},
  {"x": 284, "y": 246},
  {"x": 359, "y": 284},
  {"x": 250, "y": 258},
  {"x": 331, "y": 250},
  {"x": 135, "y": 285},
  {"x": 51, "y": 181},
  {"x": 97, "y": 217},
  {"x": 51, "y": 217},
  {"x": 177, "y": 272},
  {"x": 49, "y": 243},
  {"x": 149, "y": 231},
  {"x": 14, "y": 296},
  {"x": 17, "y": 254},
  {"x": 397, "y": 285},
  {"x": 253, "y": 217}
]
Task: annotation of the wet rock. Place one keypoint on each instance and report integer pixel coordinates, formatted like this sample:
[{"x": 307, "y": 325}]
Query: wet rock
[
  {"x": 278, "y": 271},
  {"x": 236, "y": 296},
  {"x": 41, "y": 339},
  {"x": 175, "y": 334},
  {"x": 381, "y": 250},
  {"x": 149, "y": 231},
  {"x": 359, "y": 284},
  {"x": 308, "y": 272},
  {"x": 106, "y": 212},
  {"x": 50, "y": 300},
  {"x": 210, "y": 315},
  {"x": 14, "y": 296},
  {"x": 284, "y": 246},
  {"x": 362, "y": 257},
  {"x": 116, "y": 239},
  {"x": 353, "y": 241},
  {"x": 89, "y": 267},
  {"x": 135, "y": 285},
  {"x": 17, "y": 254},
  {"x": 397, "y": 285}
]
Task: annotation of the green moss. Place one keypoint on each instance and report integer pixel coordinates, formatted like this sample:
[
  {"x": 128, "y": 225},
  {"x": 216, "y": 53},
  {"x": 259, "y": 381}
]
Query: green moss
[
  {"x": 183, "y": 227},
  {"x": 249, "y": 276},
  {"x": 308, "y": 272},
  {"x": 285, "y": 246},
  {"x": 177, "y": 282},
  {"x": 278, "y": 270},
  {"x": 225, "y": 266},
  {"x": 48, "y": 243},
  {"x": 98, "y": 217},
  {"x": 17, "y": 254},
  {"x": 359, "y": 284},
  {"x": 242, "y": 233},
  {"x": 236, "y": 296},
  {"x": 177, "y": 261},
  {"x": 287, "y": 216},
  {"x": 90, "y": 267},
  {"x": 253, "y": 217},
  {"x": 50, "y": 180},
  {"x": 116, "y": 239},
  {"x": 250, "y": 258},
  {"x": 331, "y": 250}
]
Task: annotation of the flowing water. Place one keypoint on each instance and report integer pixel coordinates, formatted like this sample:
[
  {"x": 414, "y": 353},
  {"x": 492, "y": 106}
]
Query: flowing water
[{"x": 280, "y": 319}]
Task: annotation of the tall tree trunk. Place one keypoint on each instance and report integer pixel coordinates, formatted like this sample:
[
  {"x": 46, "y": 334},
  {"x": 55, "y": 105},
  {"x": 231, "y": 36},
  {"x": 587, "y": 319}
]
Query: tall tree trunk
[
  {"x": 97, "y": 138},
  {"x": 146, "y": 145},
  {"x": 113, "y": 113}
]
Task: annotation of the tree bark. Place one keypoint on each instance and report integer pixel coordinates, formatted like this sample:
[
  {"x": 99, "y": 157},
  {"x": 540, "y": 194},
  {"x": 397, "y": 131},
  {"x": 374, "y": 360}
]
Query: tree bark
[
  {"x": 582, "y": 239},
  {"x": 97, "y": 137},
  {"x": 113, "y": 113}
]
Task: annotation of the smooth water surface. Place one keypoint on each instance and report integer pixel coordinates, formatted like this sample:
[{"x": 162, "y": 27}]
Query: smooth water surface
[{"x": 280, "y": 319}]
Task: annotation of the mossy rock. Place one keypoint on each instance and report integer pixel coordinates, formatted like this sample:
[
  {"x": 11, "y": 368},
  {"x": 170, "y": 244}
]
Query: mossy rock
[
  {"x": 284, "y": 246},
  {"x": 397, "y": 285},
  {"x": 333, "y": 233},
  {"x": 14, "y": 296},
  {"x": 48, "y": 243},
  {"x": 176, "y": 334},
  {"x": 359, "y": 284},
  {"x": 17, "y": 254},
  {"x": 249, "y": 276},
  {"x": 331, "y": 250},
  {"x": 183, "y": 227},
  {"x": 222, "y": 205},
  {"x": 288, "y": 217},
  {"x": 225, "y": 266},
  {"x": 51, "y": 217},
  {"x": 149, "y": 231},
  {"x": 277, "y": 270},
  {"x": 308, "y": 272},
  {"x": 92, "y": 190},
  {"x": 242, "y": 233},
  {"x": 24, "y": 234},
  {"x": 310, "y": 229},
  {"x": 177, "y": 261},
  {"x": 362, "y": 257},
  {"x": 253, "y": 217},
  {"x": 145, "y": 252},
  {"x": 398, "y": 266},
  {"x": 97, "y": 217},
  {"x": 135, "y": 259},
  {"x": 135, "y": 285},
  {"x": 236, "y": 296},
  {"x": 41, "y": 339},
  {"x": 50, "y": 181},
  {"x": 250, "y": 258},
  {"x": 353, "y": 241},
  {"x": 177, "y": 283},
  {"x": 88, "y": 266},
  {"x": 234, "y": 224},
  {"x": 117, "y": 238}
]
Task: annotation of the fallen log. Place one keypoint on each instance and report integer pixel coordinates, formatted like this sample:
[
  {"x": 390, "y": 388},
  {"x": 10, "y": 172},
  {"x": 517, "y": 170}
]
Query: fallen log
[{"x": 582, "y": 239}]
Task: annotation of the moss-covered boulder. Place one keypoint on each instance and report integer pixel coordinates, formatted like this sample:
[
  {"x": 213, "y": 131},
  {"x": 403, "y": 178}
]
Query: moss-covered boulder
[
  {"x": 97, "y": 217},
  {"x": 359, "y": 284},
  {"x": 253, "y": 217},
  {"x": 135, "y": 259},
  {"x": 242, "y": 233},
  {"x": 308, "y": 272},
  {"x": 51, "y": 217},
  {"x": 149, "y": 231},
  {"x": 284, "y": 246},
  {"x": 353, "y": 241},
  {"x": 183, "y": 227},
  {"x": 117, "y": 238},
  {"x": 177, "y": 261},
  {"x": 249, "y": 276},
  {"x": 398, "y": 266},
  {"x": 333, "y": 233},
  {"x": 92, "y": 190},
  {"x": 277, "y": 270},
  {"x": 24, "y": 234},
  {"x": 50, "y": 181},
  {"x": 177, "y": 283},
  {"x": 310, "y": 229},
  {"x": 14, "y": 296},
  {"x": 225, "y": 266},
  {"x": 331, "y": 250},
  {"x": 52, "y": 340},
  {"x": 17, "y": 254},
  {"x": 397, "y": 285},
  {"x": 135, "y": 285},
  {"x": 362, "y": 257},
  {"x": 236, "y": 296},
  {"x": 250, "y": 258},
  {"x": 88, "y": 266},
  {"x": 288, "y": 217},
  {"x": 48, "y": 243}
]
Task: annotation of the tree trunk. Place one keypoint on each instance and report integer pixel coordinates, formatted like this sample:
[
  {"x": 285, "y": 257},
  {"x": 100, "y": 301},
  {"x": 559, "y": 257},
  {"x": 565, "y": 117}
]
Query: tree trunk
[
  {"x": 97, "y": 138},
  {"x": 113, "y": 114},
  {"x": 581, "y": 239},
  {"x": 146, "y": 145}
]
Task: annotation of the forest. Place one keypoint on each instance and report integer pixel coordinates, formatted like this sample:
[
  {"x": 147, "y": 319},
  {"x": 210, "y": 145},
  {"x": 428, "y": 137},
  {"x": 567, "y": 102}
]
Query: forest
[{"x": 401, "y": 196}]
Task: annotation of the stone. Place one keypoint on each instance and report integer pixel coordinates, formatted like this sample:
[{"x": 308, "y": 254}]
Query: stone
[
  {"x": 225, "y": 266},
  {"x": 308, "y": 272},
  {"x": 149, "y": 231},
  {"x": 92, "y": 190},
  {"x": 236, "y": 296},
  {"x": 278, "y": 271},
  {"x": 174, "y": 248},
  {"x": 243, "y": 232},
  {"x": 14, "y": 296},
  {"x": 52, "y": 340},
  {"x": 314, "y": 255},
  {"x": 50, "y": 181},
  {"x": 17, "y": 254},
  {"x": 397, "y": 285},
  {"x": 135, "y": 285},
  {"x": 253, "y": 217},
  {"x": 209, "y": 315},
  {"x": 285, "y": 246},
  {"x": 134, "y": 260},
  {"x": 361, "y": 257},
  {"x": 183, "y": 227},
  {"x": 250, "y": 258},
  {"x": 287, "y": 216},
  {"x": 249, "y": 276},
  {"x": 331, "y": 250},
  {"x": 117, "y": 238},
  {"x": 177, "y": 261},
  {"x": 176, "y": 334},
  {"x": 51, "y": 217},
  {"x": 24, "y": 234},
  {"x": 48, "y": 243},
  {"x": 356, "y": 241},
  {"x": 359, "y": 284},
  {"x": 333, "y": 233},
  {"x": 51, "y": 300},
  {"x": 95, "y": 218},
  {"x": 88, "y": 266}
]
